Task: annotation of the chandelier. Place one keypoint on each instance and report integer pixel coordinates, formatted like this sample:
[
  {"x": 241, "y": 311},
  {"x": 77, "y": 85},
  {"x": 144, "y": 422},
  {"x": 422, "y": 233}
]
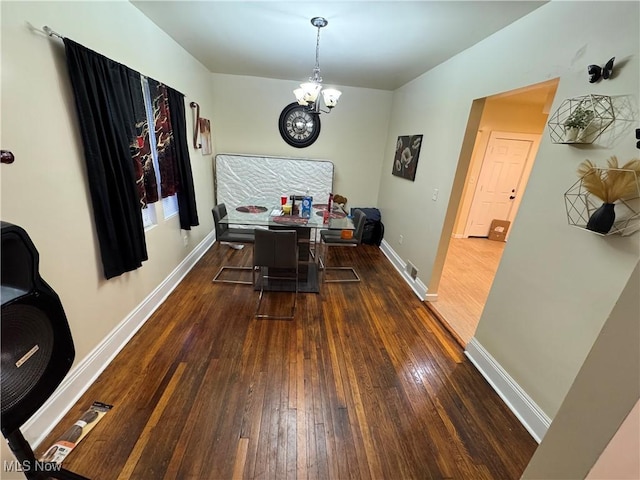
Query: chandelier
[{"x": 307, "y": 94}]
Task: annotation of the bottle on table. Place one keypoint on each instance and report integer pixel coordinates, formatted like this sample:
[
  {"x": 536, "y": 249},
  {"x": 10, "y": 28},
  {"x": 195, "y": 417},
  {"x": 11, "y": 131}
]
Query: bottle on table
[
  {"x": 327, "y": 213},
  {"x": 305, "y": 211}
]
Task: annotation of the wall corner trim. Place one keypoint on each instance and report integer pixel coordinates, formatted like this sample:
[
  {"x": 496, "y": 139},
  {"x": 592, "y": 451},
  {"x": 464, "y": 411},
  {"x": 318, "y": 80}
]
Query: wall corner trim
[
  {"x": 419, "y": 288},
  {"x": 528, "y": 412},
  {"x": 84, "y": 374}
]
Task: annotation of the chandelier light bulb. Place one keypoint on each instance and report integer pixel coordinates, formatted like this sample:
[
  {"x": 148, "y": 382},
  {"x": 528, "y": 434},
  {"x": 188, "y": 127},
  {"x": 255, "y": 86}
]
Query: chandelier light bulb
[
  {"x": 299, "y": 93},
  {"x": 331, "y": 96},
  {"x": 310, "y": 91}
]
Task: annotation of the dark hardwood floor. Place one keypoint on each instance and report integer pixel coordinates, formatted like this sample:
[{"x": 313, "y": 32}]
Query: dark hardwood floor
[{"x": 364, "y": 383}]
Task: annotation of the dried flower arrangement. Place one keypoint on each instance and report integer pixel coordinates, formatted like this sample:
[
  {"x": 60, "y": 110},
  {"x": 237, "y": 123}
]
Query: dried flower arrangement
[
  {"x": 613, "y": 182},
  {"x": 610, "y": 184}
]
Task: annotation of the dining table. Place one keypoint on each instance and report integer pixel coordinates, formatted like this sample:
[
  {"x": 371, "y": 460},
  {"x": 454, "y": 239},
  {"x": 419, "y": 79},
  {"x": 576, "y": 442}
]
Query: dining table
[{"x": 268, "y": 213}]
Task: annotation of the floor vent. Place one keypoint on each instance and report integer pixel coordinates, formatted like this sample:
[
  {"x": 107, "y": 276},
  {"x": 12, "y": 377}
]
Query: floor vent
[{"x": 411, "y": 269}]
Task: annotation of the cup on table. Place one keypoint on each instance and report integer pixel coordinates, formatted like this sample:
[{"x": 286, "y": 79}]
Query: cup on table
[
  {"x": 286, "y": 209},
  {"x": 283, "y": 200}
]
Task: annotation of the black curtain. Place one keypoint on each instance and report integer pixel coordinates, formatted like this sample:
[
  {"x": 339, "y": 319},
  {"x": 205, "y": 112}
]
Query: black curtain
[
  {"x": 186, "y": 192},
  {"x": 105, "y": 93},
  {"x": 165, "y": 143}
]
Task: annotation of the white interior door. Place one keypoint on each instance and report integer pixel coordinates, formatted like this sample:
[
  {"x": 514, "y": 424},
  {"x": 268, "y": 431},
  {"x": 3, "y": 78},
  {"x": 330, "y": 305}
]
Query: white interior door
[{"x": 497, "y": 188}]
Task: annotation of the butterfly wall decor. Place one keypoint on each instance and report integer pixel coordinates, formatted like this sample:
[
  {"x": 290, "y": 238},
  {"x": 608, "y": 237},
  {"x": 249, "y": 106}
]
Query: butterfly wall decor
[{"x": 596, "y": 72}]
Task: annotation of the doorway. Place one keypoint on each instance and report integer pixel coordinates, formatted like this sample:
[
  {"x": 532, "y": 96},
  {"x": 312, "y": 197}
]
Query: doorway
[
  {"x": 502, "y": 139},
  {"x": 505, "y": 169}
]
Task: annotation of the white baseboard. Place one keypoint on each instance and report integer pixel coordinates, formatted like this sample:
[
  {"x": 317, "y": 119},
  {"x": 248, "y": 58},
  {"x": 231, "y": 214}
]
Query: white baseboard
[
  {"x": 82, "y": 376},
  {"x": 419, "y": 288},
  {"x": 458, "y": 235},
  {"x": 431, "y": 297},
  {"x": 530, "y": 415}
]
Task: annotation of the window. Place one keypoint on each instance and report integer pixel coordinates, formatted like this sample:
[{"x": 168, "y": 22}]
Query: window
[
  {"x": 149, "y": 217},
  {"x": 169, "y": 204}
]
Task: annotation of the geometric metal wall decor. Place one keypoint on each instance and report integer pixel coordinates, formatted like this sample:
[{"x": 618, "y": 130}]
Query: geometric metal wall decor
[
  {"x": 580, "y": 205},
  {"x": 581, "y": 119}
]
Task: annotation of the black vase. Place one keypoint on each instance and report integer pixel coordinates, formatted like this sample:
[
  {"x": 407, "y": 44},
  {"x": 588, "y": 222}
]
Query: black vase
[{"x": 602, "y": 219}]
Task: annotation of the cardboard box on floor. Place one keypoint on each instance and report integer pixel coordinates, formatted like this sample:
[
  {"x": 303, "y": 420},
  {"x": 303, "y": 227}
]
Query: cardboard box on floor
[{"x": 498, "y": 230}]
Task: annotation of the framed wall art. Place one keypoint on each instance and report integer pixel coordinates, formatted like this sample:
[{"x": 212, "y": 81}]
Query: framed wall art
[
  {"x": 405, "y": 161},
  {"x": 205, "y": 136}
]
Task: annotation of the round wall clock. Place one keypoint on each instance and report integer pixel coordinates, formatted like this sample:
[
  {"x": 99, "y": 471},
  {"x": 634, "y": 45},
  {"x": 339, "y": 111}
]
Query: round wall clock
[{"x": 298, "y": 126}]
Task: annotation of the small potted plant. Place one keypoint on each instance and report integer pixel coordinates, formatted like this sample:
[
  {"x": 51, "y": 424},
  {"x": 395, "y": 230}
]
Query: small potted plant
[{"x": 576, "y": 123}]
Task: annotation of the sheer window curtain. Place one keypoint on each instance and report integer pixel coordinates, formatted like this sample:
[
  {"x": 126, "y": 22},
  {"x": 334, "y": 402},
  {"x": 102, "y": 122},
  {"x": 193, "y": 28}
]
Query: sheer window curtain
[{"x": 165, "y": 142}]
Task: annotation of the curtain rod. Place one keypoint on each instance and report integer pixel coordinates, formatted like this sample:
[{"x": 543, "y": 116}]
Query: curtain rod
[
  {"x": 51, "y": 33},
  {"x": 47, "y": 29}
]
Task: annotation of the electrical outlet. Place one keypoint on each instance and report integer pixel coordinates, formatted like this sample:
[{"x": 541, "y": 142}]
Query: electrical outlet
[
  {"x": 434, "y": 197},
  {"x": 400, "y": 239}
]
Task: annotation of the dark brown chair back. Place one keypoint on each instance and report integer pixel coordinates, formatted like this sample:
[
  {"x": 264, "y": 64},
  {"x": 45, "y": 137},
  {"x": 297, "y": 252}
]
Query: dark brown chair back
[
  {"x": 219, "y": 212},
  {"x": 359, "y": 219},
  {"x": 275, "y": 248}
]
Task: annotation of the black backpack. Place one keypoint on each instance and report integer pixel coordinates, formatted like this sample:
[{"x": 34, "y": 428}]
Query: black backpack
[{"x": 373, "y": 226}]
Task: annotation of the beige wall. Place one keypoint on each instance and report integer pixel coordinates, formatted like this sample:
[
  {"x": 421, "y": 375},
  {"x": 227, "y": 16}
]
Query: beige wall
[
  {"x": 45, "y": 190},
  {"x": 602, "y": 395},
  {"x": 352, "y": 136},
  {"x": 556, "y": 285}
]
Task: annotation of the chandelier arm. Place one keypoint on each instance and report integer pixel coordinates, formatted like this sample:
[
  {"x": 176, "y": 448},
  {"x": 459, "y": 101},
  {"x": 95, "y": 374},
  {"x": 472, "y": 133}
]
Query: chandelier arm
[{"x": 314, "y": 107}]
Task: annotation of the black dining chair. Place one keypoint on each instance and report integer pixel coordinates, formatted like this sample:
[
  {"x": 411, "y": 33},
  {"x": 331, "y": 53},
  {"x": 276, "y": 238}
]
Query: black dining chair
[
  {"x": 232, "y": 236},
  {"x": 333, "y": 238},
  {"x": 275, "y": 264}
]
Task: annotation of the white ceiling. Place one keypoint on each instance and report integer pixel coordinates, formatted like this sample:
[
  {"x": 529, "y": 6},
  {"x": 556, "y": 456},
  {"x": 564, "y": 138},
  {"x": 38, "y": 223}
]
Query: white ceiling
[{"x": 371, "y": 44}]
